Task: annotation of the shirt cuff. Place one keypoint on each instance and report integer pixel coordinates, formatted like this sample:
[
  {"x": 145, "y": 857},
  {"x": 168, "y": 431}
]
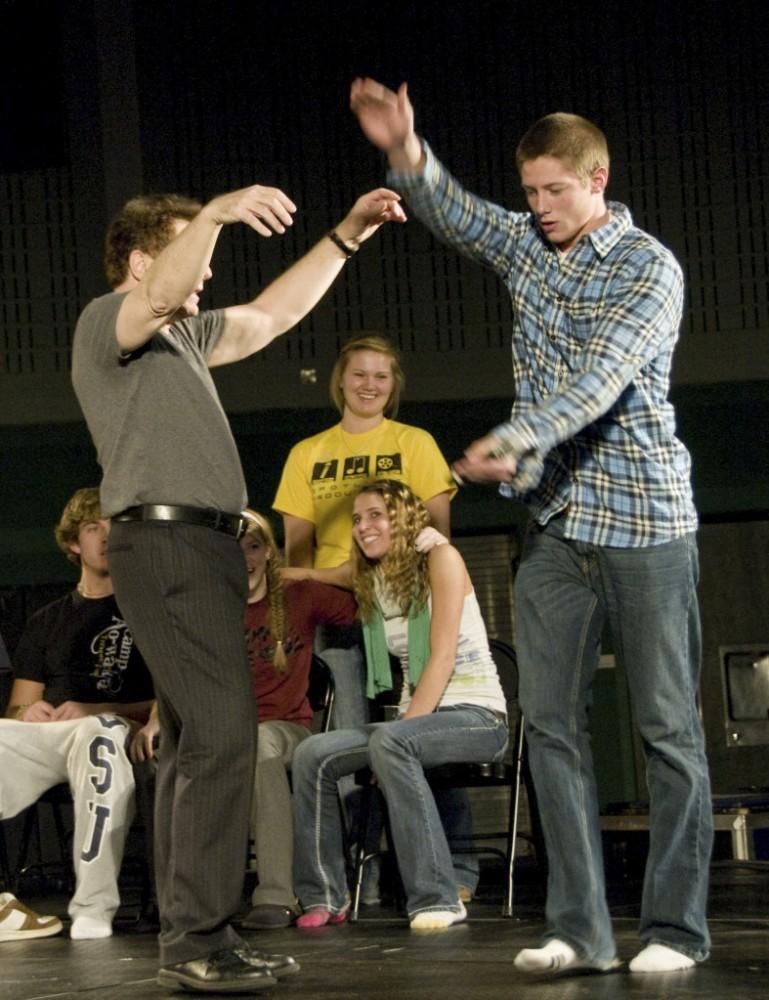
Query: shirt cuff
[
  {"x": 412, "y": 180},
  {"x": 529, "y": 462}
]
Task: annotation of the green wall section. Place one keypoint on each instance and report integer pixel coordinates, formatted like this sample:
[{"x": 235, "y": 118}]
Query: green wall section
[{"x": 724, "y": 426}]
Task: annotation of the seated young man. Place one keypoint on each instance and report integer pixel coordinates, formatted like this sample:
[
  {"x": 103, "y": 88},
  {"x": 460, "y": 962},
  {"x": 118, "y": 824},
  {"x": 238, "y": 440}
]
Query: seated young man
[{"x": 79, "y": 685}]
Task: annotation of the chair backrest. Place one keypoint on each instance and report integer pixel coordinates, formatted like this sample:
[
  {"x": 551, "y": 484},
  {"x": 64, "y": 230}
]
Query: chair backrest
[
  {"x": 503, "y": 654},
  {"x": 320, "y": 693}
]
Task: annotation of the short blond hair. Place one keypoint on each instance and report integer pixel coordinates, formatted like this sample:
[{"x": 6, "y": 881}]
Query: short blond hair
[
  {"x": 577, "y": 142},
  {"x": 380, "y": 345},
  {"x": 82, "y": 507}
]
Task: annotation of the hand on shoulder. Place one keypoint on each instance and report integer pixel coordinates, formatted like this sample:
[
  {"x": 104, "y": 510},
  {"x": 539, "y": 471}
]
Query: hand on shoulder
[{"x": 445, "y": 559}]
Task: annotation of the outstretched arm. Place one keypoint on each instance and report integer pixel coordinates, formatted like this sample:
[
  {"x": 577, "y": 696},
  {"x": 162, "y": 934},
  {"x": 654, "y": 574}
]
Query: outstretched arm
[
  {"x": 178, "y": 272},
  {"x": 637, "y": 326},
  {"x": 250, "y": 327},
  {"x": 483, "y": 463},
  {"x": 339, "y": 576},
  {"x": 476, "y": 227},
  {"x": 438, "y": 509},
  {"x": 300, "y": 541}
]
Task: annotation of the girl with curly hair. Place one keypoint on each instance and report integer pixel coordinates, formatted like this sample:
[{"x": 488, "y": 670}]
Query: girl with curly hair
[{"x": 422, "y": 609}]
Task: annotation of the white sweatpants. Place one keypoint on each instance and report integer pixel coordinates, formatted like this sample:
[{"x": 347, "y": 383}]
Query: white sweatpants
[{"x": 89, "y": 754}]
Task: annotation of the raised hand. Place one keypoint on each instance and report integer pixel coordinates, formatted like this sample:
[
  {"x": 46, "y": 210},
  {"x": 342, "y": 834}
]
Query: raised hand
[
  {"x": 368, "y": 213},
  {"x": 386, "y": 117},
  {"x": 266, "y": 209}
]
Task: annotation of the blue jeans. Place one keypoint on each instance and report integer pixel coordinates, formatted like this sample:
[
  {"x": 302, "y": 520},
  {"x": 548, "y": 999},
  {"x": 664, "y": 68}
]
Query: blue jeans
[
  {"x": 565, "y": 591},
  {"x": 351, "y": 709},
  {"x": 397, "y": 752},
  {"x": 342, "y": 649}
]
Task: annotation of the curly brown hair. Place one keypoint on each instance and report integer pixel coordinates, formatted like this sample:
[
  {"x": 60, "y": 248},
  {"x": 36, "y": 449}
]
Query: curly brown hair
[
  {"x": 83, "y": 506},
  {"x": 403, "y": 569},
  {"x": 260, "y": 528},
  {"x": 143, "y": 223},
  {"x": 368, "y": 342}
]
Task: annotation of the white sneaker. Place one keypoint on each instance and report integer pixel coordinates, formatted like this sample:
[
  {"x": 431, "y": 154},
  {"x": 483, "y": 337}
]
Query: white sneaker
[
  {"x": 438, "y": 920},
  {"x": 19, "y": 923},
  {"x": 660, "y": 958},
  {"x": 90, "y": 929},
  {"x": 557, "y": 956}
]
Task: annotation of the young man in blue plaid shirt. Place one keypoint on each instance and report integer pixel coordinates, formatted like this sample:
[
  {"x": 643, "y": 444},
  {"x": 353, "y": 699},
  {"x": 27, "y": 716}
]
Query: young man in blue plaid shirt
[{"x": 590, "y": 447}]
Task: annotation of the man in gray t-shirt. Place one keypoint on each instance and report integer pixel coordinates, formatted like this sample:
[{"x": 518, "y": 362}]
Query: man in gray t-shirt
[{"x": 174, "y": 487}]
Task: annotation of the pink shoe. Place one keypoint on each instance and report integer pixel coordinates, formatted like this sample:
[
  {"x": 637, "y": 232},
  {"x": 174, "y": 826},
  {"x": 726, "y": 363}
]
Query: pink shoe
[{"x": 319, "y": 917}]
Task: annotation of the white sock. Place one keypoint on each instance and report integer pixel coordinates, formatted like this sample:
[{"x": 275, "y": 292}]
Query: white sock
[
  {"x": 553, "y": 957},
  {"x": 660, "y": 958},
  {"x": 435, "y": 920},
  {"x": 89, "y": 929}
]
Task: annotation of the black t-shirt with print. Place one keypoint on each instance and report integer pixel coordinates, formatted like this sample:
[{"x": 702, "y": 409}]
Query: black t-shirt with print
[{"x": 80, "y": 648}]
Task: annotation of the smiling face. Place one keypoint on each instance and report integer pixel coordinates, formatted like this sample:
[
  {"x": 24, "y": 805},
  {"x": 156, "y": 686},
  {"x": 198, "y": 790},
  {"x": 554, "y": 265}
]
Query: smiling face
[
  {"x": 367, "y": 384},
  {"x": 565, "y": 206},
  {"x": 257, "y": 555},
  {"x": 371, "y": 525}
]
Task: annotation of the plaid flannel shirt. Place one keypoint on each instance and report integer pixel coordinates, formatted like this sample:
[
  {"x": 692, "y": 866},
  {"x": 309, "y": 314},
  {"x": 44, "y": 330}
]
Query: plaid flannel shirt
[{"x": 591, "y": 429}]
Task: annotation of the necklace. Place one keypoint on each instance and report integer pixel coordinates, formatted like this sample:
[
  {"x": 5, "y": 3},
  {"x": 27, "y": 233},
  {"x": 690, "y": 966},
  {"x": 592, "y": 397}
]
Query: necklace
[{"x": 85, "y": 593}]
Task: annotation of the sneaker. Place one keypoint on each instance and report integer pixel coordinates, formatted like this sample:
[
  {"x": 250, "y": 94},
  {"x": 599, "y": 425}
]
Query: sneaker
[
  {"x": 19, "y": 923},
  {"x": 438, "y": 920}
]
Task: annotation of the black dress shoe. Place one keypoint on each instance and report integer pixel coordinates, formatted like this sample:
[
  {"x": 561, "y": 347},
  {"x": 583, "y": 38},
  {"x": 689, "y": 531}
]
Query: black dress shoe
[
  {"x": 276, "y": 965},
  {"x": 268, "y": 917},
  {"x": 224, "y": 971},
  {"x": 148, "y": 921}
]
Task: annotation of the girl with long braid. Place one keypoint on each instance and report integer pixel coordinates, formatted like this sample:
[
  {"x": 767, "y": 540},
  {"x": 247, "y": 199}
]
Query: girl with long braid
[
  {"x": 421, "y": 609},
  {"x": 281, "y": 618}
]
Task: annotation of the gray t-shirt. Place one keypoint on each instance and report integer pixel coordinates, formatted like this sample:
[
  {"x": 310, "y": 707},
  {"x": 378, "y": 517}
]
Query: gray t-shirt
[{"x": 160, "y": 432}]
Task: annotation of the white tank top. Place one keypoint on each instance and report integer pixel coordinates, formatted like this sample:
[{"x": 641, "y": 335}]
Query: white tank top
[{"x": 474, "y": 680}]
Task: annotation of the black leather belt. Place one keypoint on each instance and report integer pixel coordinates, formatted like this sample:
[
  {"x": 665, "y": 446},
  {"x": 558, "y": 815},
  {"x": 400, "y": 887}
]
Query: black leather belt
[{"x": 206, "y": 517}]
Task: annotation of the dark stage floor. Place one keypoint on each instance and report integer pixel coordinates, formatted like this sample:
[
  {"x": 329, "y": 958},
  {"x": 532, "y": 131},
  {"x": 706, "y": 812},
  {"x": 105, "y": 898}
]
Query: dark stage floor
[{"x": 380, "y": 957}]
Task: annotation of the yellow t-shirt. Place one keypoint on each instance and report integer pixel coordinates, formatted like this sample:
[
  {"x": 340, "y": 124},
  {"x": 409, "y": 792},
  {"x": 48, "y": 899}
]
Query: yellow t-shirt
[{"x": 323, "y": 472}]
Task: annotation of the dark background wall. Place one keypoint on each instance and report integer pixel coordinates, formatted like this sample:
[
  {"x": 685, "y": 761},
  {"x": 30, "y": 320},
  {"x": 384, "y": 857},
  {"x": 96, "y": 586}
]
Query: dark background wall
[{"x": 102, "y": 99}]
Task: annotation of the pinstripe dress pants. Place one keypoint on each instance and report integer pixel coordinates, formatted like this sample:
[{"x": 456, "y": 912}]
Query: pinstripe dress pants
[{"x": 182, "y": 589}]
